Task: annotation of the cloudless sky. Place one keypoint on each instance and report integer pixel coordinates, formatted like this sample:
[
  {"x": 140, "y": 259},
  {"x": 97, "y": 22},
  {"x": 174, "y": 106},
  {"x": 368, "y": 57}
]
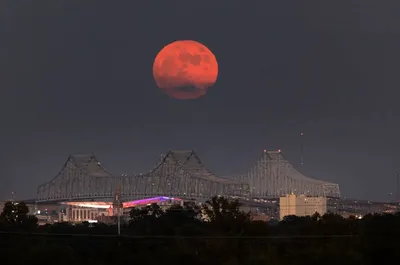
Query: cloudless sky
[{"x": 76, "y": 77}]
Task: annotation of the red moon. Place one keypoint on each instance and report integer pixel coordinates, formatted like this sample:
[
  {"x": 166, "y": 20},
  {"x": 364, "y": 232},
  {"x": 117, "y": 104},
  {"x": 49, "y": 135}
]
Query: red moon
[{"x": 185, "y": 69}]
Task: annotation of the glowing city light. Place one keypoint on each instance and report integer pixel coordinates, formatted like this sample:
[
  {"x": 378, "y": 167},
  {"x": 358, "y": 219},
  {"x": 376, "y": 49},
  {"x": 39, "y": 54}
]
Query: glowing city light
[{"x": 107, "y": 205}]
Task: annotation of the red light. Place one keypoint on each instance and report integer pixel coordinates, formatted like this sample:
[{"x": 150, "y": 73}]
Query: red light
[
  {"x": 279, "y": 150},
  {"x": 265, "y": 151}
]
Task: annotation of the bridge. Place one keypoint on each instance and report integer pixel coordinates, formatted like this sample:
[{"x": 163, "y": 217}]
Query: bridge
[
  {"x": 273, "y": 176},
  {"x": 179, "y": 174}
]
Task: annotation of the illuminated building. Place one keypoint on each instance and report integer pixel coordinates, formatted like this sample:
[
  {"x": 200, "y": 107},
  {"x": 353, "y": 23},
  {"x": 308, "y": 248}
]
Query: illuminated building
[
  {"x": 301, "y": 205},
  {"x": 81, "y": 214},
  {"x": 89, "y": 211}
]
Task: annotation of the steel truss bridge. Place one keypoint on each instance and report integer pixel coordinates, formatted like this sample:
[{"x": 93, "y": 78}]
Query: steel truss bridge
[
  {"x": 273, "y": 176},
  {"x": 179, "y": 174}
]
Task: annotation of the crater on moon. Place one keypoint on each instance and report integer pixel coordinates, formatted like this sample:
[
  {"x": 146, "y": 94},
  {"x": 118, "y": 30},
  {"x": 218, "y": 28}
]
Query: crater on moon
[{"x": 185, "y": 69}]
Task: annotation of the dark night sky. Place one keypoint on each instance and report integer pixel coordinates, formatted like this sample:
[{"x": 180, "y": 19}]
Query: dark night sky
[{"x": 76, "y": 76}]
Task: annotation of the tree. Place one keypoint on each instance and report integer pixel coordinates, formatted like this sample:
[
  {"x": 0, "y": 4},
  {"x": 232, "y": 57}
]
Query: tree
[
  {"x": 220, "y": 208},
  {"x": 226, "y": 215},
  {"x": 153, "y": 211},
  {"x": 187, "y": 212},
  {"x": 17, "y": 214},
  {"x": 9, "y": 213},
  {"x": 137, "y": 214}
]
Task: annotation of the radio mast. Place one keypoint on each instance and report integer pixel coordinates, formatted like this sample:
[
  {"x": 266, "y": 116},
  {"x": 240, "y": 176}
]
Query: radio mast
[
  {"x": 301, "y": 149},
  {"x": 398, "y": 188}
]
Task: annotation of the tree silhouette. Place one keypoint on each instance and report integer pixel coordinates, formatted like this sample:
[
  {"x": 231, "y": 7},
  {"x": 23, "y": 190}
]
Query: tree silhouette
[
  {"x": 228, "y": 236},
  {"x": 149, "y": 211},
  {"x": 225, "y": 215},
  {"x": 16, "y": 215},
  {"x": 187, "y": 212},
  {"x": 9, "y": 213}
]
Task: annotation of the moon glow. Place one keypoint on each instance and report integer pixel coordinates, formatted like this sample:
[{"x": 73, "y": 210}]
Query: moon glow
[{"x": 185, "y": 69}]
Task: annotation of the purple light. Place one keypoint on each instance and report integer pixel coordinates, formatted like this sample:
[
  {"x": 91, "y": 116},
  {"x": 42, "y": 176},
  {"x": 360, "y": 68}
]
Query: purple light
[{"x": 148, "y": 201}]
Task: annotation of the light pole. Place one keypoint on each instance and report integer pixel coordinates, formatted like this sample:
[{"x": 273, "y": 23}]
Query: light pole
[
  {"x": 119, "y": 221},
  {"x": 117, "y": 205}
]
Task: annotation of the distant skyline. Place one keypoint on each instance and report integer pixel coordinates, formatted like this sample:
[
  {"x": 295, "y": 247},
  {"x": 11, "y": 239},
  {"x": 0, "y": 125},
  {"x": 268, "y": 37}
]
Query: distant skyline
[{"x": 76, "y": 77}]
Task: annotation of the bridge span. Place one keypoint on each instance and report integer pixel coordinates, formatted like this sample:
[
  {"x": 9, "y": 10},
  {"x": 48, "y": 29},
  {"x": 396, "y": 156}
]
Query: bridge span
[{"x": 179, "y": 174}]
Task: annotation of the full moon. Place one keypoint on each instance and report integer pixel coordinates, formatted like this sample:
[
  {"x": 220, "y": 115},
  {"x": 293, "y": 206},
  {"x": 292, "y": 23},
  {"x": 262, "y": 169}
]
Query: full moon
[{"x": 185, "y": 69}]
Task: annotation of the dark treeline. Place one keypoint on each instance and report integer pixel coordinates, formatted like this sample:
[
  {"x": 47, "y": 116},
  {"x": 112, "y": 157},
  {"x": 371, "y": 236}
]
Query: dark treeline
[{"x": 180, "y": 236}]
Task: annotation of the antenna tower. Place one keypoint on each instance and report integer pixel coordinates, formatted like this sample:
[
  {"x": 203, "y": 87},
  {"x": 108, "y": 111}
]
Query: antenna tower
[
  {"x": 302, "y": 149},
  {"x": 12, "y": 196},
  {"x": 398, "y": 188}
]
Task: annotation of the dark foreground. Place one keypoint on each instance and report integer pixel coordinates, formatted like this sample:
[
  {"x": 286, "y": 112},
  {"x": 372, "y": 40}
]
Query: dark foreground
[{"x": 230, "y": 237}]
